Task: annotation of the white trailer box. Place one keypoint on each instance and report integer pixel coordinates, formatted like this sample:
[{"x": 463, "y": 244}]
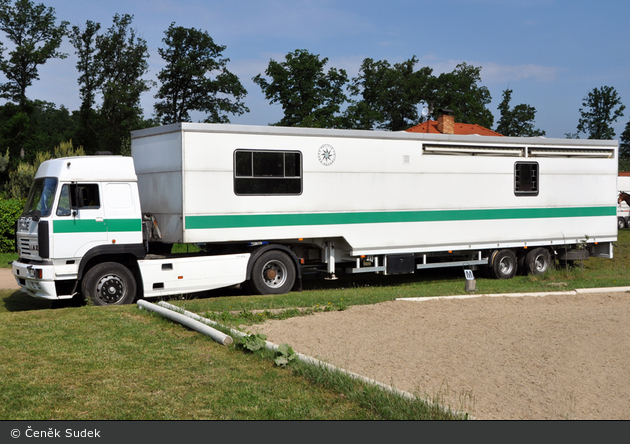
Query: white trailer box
[{"x": 375, "y": 193}]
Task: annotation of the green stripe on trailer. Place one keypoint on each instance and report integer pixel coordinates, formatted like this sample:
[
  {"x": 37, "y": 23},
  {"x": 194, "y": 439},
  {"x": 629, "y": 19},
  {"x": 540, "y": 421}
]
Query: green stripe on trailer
[
  {"x": 92, "y": 226},
  {"x": 284, "y": 220}
]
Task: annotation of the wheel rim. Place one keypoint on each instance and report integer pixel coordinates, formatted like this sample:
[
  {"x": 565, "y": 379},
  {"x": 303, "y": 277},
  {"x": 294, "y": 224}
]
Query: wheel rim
[
  {"x": 110, "y": 289},
  {"x": 540, "y": 263},
  {"x": 505, "y": 266},
  {"x": 274, "y": 274}
]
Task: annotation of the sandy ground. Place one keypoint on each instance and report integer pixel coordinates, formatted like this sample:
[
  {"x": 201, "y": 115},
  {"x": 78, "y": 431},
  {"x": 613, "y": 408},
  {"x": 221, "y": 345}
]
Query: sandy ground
[
  {"x": 531, "y": 358},
  {"x": 7, "y": 281}
]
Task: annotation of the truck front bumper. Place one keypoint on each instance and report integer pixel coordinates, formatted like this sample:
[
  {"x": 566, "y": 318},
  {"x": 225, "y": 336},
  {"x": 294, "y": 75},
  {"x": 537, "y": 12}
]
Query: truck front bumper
[{"x": 36, "y": 280}]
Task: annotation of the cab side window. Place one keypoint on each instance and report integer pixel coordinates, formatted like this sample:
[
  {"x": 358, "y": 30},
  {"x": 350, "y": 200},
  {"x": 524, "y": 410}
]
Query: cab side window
[{"x": 78, "y": 196}]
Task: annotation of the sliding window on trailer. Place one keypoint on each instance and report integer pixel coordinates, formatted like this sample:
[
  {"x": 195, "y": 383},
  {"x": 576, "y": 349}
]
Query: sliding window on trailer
[
  {"x": 526, "y": 179},
  {"x": 263, "y": 173}
]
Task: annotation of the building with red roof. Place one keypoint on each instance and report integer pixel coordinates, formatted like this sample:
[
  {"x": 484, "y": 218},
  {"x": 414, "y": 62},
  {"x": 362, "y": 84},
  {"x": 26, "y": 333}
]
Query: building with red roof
[{"x": 446, "y": 125}]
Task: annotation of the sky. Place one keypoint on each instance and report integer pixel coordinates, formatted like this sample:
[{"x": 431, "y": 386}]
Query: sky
[{"x": 551, "y": 53}]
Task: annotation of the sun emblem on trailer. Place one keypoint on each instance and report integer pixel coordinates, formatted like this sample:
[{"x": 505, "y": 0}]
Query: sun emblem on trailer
[{"x": 326, "y": 155}]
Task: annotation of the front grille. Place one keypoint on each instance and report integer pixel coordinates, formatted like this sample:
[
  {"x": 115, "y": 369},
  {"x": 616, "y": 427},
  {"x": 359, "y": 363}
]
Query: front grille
[{"x": 28, "y": 247}]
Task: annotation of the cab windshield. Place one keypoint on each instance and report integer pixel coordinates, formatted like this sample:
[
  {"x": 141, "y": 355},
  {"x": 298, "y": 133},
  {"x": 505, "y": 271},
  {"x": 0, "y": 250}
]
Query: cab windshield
[{"x": 41, "y": 197}]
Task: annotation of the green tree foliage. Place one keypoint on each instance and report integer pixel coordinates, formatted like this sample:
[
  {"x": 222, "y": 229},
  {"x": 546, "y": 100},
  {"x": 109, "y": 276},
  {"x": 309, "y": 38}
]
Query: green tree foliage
[
  {"x": 10, "y": 211},
  {"x": 624, "y": 145},
  {"x": 518, "y": 121},
  {"x": 196, "y": 79},
  {"x": 84, "y": 42},
  {"x": 39, "y": 128},
  {"x": 121, "y": 62},
  {"x": 602, "y": 107},
  {"x": 4, "y": 161},
  {"x": 309, "y": 95},
  {"x": 389, "y": 95},
  {"x": 32, "y": 29},
  {"x": 459, "y": 91},
  {"x": 21, "y": 178}
]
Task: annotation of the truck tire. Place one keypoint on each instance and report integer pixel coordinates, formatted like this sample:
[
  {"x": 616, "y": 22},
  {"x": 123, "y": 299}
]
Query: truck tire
[
  {"x": 503, "y": 264},
  {"x": 538, "y": 261},
  {"x": 273, "y": 273},
  {"x": 621, "y": 223},
  {"x": 109, "y": 283}
]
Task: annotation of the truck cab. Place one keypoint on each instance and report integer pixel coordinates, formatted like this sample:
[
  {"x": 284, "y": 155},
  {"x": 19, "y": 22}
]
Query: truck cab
[{"x": 78, "y": 209}]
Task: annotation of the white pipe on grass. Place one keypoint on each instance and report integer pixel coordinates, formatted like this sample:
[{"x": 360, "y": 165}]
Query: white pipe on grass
[
  {"x": 196, "y": 317},
  {"x": 218, "y": 336}
]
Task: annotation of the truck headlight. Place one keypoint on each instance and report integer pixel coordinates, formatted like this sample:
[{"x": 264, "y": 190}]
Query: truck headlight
[
  {"x": 24, "y": 225},
  {"x": 34, "y": 273}
]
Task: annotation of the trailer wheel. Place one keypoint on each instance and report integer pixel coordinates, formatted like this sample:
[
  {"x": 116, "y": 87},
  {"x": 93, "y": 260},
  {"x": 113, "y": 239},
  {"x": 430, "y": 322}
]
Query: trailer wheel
[
  {"x": 503, "y": 264},
  {"x": 109, "y": 283},
  {"x": 538, "y": 261},
  {"x": 621, "y": 223},
  {"x": 273, "y": 273}
]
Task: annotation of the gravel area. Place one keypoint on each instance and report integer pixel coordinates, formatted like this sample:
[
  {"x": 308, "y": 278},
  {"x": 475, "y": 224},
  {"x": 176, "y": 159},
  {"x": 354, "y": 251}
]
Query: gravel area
[{"x": 509, "y": 358}]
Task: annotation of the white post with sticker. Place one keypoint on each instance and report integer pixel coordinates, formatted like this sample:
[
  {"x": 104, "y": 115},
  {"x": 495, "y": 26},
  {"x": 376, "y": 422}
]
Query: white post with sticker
[{"x": 471, "y": 284}]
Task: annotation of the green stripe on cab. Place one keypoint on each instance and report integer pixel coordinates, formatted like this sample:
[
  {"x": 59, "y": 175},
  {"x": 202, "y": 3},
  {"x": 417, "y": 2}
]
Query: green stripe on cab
[{"x": 92, "y": 226}]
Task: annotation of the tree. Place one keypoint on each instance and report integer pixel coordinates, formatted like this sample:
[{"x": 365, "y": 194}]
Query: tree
[
  {"x": 389, "y": 95},
  {"x": 309, "y": 96},
  {"x": 121, "y": 61},
  {"x": 196, "y": 79},
  {"x": 519, "y": 121},
  {"x": 460, "y": 92},
  {"x": 624, "y": 143},
  {"x": 36, "y": 37},
  {"x": 602, "y": 107},
  {"x": 84, "y": 42},
  {"x": 21, "y": 179}
]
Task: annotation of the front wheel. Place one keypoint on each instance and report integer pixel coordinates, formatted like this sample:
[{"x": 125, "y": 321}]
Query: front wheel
[
  {"x": 621, "y": 223},
  {"x": 273, "y": 273},
  {"x": 109, "y": 283}
]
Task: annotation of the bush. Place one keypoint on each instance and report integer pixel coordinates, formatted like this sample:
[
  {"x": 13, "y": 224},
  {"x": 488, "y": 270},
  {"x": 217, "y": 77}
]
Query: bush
[{"x": 10, "y": 211}]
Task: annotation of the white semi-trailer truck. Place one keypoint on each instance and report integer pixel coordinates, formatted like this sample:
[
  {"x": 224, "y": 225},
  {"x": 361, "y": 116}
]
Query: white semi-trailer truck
[{"x": 266, "y": 203}]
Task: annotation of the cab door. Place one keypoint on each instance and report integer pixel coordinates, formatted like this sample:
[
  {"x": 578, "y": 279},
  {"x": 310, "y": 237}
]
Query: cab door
[
  {"x": 79, "y": 223},
  {"x": 122, "y": 213}
]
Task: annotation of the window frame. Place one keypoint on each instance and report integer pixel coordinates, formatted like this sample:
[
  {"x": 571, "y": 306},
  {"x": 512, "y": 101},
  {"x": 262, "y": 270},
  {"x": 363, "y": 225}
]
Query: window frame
[
  {"x": 533, "y": 181},
  {"x": 71, "y": 187},
  {"x": 257, "y": 177}
]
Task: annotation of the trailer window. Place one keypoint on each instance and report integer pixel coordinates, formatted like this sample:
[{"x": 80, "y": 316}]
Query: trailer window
[
  {"x": 526, "y": 179},
  {"x": 267, "y": 172}
]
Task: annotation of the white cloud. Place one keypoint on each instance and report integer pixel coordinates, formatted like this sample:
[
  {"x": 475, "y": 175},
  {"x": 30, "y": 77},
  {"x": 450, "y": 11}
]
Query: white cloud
[{"x": 494, "y": 72}]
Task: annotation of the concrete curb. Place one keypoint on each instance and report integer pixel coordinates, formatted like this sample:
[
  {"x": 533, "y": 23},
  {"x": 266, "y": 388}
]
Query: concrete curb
[{"x": 541, "y": 294}]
